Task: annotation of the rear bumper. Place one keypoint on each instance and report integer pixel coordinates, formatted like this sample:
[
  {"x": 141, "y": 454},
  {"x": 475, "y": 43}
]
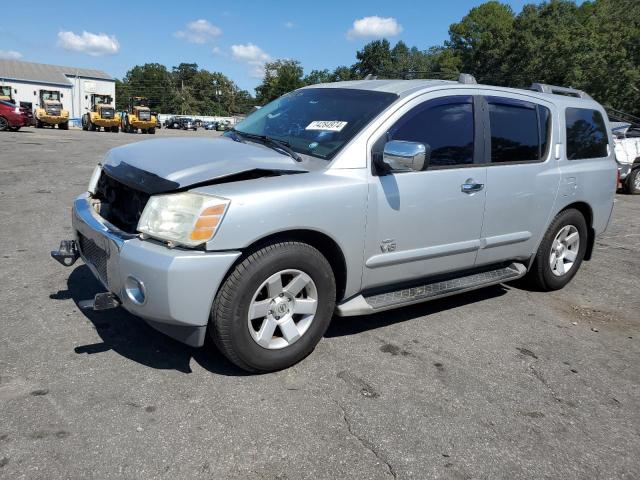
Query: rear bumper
[
  {"x": 102, "y": 122},
  {"x": 179, "y": 285},
  {"x": 53, "y": 119}
]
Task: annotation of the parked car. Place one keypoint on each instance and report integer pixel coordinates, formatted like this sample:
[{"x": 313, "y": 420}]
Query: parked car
[
  {"x": 188, "y": 124},
  {"x": 13, "y": 117},
  {"x": 223, "y": 126},
  {"x": 211, "y": 125},
  {"x": 350, "y": 199},
  {"x": 626, "y": 141},
  {"x": 172, "y": 122}
]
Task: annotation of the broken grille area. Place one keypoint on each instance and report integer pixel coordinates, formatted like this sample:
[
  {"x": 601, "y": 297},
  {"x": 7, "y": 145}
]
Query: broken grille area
[
  {"x": 122, "y": 205},
  {"x": 94, "y": 255}
]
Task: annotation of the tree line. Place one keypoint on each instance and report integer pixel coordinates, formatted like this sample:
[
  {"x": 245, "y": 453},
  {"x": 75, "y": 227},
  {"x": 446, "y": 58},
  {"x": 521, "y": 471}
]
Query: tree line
[
  {"x": 594, "y": 46},
  {"x": 185, "y": 89}
]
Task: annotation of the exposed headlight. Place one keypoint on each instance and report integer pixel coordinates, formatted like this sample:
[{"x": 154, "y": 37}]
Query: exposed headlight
[
  {"x": 183, "y": 218},
  {"x": 93, "y": 182}
]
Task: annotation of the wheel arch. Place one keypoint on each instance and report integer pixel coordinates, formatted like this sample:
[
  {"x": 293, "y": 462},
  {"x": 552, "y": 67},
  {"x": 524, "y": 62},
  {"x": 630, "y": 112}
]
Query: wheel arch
[
  {"x": 587, "y": 212},
  {"x": 319, "y": 240}
]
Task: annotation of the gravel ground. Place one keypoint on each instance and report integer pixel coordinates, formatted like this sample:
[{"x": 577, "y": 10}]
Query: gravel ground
[{"x": 499, "y": 383}]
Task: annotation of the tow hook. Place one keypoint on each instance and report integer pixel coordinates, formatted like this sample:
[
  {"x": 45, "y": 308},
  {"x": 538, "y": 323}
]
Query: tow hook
[
  {"x": 67, "y": 253},
  {"x": 102, "y": 301}
]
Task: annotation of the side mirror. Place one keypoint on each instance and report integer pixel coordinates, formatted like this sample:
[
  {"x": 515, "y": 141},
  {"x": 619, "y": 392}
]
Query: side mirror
[{"x": 402, "y": 156}]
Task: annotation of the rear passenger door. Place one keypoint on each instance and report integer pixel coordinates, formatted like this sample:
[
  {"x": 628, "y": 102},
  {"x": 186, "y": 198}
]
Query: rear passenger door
[{"x": 522, "y": 176}]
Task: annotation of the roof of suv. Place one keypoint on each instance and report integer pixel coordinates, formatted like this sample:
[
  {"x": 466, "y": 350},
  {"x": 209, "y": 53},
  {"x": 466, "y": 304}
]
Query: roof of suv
[{"x": 403, "y": 88}]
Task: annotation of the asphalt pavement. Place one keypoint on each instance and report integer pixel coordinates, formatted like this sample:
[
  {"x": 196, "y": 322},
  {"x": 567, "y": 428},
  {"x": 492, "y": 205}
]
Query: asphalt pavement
[{"x": 502, "y": 383}]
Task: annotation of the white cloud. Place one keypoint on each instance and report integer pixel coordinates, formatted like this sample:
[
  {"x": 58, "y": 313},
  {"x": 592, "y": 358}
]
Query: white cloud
[
  {"x": 289, "y": 24},
  {"x": 94, "y": 44},
  {"x": 10, "y": 55},
  {"x": 374, "y": 27},
  {"x": 253, "y": 56},
  {"x": 199, "y": 31}
]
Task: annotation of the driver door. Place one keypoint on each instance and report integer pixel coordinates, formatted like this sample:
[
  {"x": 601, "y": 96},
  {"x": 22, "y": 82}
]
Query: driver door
[{"x": 423, "y": 223}]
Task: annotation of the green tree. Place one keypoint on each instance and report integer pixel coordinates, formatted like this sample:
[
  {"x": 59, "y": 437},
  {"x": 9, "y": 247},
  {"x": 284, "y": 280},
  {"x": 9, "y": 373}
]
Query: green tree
[
  {"x": 482, "y": 38},
  {"x": 318, "y": 76},
  {"x": 373, "y": 59},
  {"x": 281, "y": 76}
]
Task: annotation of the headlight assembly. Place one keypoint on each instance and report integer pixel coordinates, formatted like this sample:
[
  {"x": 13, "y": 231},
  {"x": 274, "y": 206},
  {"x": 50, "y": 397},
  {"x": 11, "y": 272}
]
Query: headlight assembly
[{"x": 183, "y": 218}]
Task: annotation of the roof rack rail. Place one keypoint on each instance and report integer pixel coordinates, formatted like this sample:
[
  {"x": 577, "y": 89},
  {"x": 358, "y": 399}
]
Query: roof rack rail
[
  {"x": 570, "y": 92},
  {"x": 467, "y": 79}
]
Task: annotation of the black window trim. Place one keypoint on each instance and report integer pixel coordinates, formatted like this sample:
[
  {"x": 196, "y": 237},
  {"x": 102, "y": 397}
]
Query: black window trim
[
  {"x": 479, "y": 138},
  {"x": 566, "y": 140},
  {"x": 487, "y": 126}
]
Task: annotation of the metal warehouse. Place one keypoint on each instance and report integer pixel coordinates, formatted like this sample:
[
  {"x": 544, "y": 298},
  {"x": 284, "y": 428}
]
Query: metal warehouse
[{"x": 23, "y": 81}]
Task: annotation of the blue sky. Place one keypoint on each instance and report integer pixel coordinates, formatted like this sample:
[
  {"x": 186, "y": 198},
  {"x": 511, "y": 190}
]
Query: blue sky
[{"x": 235, "y": 37}]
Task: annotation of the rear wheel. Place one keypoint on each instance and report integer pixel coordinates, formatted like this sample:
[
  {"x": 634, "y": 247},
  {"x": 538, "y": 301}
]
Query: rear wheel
[
  {"x": 561, "y": 251},
  {"x": 85, "y": 122},
  {"x": 274, "y": 307},
  {"x": 4, "y": 124},
  {"x": 632, "y": 182}
]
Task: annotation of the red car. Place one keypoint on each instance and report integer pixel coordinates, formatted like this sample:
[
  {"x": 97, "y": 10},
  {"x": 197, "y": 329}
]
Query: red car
[{"x": 13, "y": 117}]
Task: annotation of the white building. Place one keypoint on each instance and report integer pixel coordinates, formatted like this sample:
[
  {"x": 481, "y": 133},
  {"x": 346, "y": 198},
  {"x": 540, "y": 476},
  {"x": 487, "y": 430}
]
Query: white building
[{"x": 76, "y": 85}]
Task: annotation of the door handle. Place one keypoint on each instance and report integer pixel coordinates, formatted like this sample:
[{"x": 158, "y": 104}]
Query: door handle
[{"x": 470, "y": 186}]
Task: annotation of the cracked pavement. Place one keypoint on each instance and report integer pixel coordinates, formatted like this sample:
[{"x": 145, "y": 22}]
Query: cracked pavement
[{"x": 498, "y": 383}]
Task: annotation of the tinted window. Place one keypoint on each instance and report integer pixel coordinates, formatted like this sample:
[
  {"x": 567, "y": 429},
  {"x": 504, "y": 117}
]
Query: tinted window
[
  {"x": 544, "y": 120},
  {"x": 7, "y": 104},
  {"x": 446, "y": 125},
  {"x": 586, "y": 134},
  {"x": 514, "y": 130}
]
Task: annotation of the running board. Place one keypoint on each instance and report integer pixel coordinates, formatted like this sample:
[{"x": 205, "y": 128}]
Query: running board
[{"x": 365, "y": 305}]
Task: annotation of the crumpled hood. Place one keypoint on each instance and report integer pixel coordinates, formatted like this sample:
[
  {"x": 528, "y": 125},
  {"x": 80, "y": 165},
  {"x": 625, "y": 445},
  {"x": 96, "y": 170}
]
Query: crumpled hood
[{"x": 170, "y": 164}]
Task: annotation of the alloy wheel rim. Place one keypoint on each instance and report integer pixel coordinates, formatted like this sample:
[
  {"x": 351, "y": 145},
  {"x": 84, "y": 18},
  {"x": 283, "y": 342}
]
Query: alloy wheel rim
[
  {"x": 564, "y": 250},
  {"x": 282, "y": 309},
  {"x": 636, "y": 181}
]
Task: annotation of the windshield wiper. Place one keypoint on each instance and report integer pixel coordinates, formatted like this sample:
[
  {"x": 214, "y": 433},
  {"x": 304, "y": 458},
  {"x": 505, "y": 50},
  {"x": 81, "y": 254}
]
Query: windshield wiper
[{"x": 269, "y": 141}]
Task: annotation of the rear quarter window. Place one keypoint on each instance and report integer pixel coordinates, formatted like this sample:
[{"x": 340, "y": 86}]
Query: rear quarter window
[{"x": 586, "y": 134}]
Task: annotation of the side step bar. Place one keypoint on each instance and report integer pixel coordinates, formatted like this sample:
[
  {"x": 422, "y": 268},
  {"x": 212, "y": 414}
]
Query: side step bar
[{"x": 365, "y": 305}]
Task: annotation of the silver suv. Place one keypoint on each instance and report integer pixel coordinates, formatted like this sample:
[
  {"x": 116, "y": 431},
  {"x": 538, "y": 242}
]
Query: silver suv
[{"x": 348, "y": 198}]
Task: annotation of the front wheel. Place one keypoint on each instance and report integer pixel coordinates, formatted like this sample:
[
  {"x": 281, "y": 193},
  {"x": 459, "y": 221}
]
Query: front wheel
[
  {"x": 274, "y": 307},
  {"x": 63, "y": 126},
  {"x": 152, "y": 130},
  {"x": 632, "y": 182},
  {"x": 4, "y": 124},
  {"x": 561, "y": 251}
]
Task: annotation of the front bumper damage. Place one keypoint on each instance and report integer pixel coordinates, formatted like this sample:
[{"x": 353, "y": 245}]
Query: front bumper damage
[{"x": 171, "y": 289}]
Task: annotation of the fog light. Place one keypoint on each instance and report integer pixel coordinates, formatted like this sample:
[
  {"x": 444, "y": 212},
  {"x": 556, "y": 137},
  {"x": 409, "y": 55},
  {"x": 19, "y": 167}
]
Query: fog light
[{"x": 134, "y": 289}]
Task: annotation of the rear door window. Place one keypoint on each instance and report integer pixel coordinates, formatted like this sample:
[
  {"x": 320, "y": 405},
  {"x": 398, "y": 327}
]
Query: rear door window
[
  {"x": 586, "y": 134},
  {"x": 519, "y": 130}
]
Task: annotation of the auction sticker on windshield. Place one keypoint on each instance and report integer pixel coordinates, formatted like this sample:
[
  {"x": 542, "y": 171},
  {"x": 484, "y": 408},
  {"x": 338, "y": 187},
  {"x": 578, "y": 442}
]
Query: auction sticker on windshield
[{"x": 329, "y": 125}]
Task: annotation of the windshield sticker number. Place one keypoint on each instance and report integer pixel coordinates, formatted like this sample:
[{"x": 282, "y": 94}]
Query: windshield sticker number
[{"x": 327, "y": 125}]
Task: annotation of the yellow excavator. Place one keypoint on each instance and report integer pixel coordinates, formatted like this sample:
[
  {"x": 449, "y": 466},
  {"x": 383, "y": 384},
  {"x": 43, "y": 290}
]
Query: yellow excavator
[
  {"x": 101, "y": 115},
  {"x": 138, "y": 116},
  {"x": 50, "y": 111}
]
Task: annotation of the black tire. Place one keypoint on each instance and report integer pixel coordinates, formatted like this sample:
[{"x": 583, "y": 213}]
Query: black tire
[
  {"x": 63, "y": 126},
  {"x": 630, "y": 183},
  {"x": 39, "y": 124},
  {"x": 85, "y": 122},
  {"x": 115, "y": 129},
  {"x": 4, "y": 124},
  {"x": 541, "y": 274},
  {"x": 14, "y": 129},
  {"x": 228, "y": 325},
  {"x": 152, "y": 130}
]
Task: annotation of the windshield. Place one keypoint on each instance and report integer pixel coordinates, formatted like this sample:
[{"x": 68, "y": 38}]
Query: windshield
[
  {"x": 103, "y": 99},
  {"x": 317, "y": 121},
  {"x": 50, "y": 95}
]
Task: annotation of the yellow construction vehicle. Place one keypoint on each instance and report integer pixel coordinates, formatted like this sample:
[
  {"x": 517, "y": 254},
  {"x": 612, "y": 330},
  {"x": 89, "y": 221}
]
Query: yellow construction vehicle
[
  {"x": 101, "y": 115},
  {"x": 6, "y": 93},
  {"x": 138, "y": 116},
  {"x": 50, "y": 111}
]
